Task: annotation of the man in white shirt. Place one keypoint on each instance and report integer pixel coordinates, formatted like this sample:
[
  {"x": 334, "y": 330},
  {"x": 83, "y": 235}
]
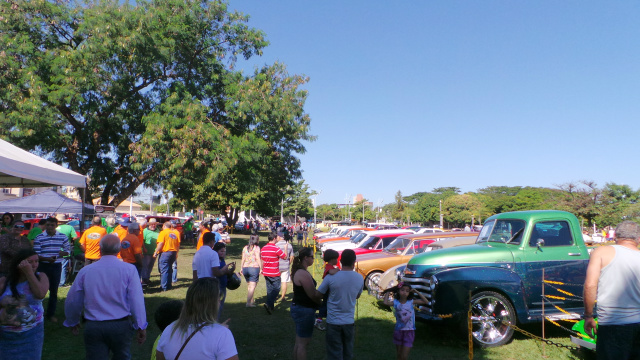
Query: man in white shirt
[
  {"x": 344, "y": 289},
  {"x": 206, "y": 262}
]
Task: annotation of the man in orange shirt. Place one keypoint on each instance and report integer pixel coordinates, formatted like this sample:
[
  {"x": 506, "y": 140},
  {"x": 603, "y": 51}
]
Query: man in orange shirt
[
  {"x": 203, "y": 230},
  {"x": 131, "y": 247},
  {"x": 121, "y": 229},
  {"x": 167, "y": 248},
  {"x": 90, "y": 241}
]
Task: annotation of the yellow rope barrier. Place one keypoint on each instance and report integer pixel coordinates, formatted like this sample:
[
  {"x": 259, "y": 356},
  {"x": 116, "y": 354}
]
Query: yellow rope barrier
[
  {"x": 565, "y": 292},
  {"x": 553, "y": 282}
]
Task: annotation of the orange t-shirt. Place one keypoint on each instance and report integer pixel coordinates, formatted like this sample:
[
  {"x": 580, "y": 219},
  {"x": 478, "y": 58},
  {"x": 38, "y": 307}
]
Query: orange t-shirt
[
  {"x": 130, "y": 246},
  {"x": 121, "y": 232},
  {"x": 91, "y": 241},
  {"x": 171, "y": 240},
  {"x": 199, "y": 245}
]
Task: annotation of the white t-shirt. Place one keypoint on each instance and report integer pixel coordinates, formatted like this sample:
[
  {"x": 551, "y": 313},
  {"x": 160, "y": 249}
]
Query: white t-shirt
[
  {"x": 212, "y": 342},
  {"x": 203, "y": 260},
  {"x": 344, "y": 289}
]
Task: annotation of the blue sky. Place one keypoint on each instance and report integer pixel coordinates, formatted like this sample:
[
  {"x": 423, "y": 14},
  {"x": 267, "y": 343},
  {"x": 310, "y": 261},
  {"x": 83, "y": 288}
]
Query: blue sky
[{"x": 414, "y": 95}]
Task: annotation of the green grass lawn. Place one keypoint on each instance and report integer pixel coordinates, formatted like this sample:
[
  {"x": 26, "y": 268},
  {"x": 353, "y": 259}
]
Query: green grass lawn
[{"x": 262, "y": 336}]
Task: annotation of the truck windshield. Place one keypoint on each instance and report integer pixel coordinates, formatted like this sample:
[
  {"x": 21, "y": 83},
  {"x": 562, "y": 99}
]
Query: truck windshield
[{"x": 502, "y": 231}]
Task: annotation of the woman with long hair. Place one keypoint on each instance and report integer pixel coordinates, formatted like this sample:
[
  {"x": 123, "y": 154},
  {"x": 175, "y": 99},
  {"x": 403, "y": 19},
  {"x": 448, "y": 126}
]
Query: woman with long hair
[
  {"x": 251, "y": 266},
  {"x": 21, "y": 311},
  {"x": 10, "y": 244},
  {"x": 7, "y": 222},
  {"x": 305, "y": 301},
  {"x": 196, "y": 334}
]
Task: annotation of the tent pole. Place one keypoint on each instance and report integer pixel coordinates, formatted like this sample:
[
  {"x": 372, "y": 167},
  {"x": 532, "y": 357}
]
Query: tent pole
[{"x": 84, "y": 197}]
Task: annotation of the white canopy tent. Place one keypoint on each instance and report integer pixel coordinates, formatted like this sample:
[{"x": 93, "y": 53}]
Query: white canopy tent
[
  {"x": 20, "y": 168},
  {"x": 49, "y": 202}
]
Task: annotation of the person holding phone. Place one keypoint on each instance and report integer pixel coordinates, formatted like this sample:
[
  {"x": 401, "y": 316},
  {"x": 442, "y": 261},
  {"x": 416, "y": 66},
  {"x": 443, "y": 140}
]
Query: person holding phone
[{"x": 221, "y": 248}]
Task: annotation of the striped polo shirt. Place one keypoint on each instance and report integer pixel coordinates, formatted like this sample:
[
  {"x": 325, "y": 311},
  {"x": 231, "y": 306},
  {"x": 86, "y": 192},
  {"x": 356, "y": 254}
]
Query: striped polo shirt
[
  {"x": 271, "y": 255},
  {"x": 50, "y": 246}
]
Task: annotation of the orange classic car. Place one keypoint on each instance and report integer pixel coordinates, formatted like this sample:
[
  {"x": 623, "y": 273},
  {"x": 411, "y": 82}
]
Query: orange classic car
[{"x": 372, "y": 265}]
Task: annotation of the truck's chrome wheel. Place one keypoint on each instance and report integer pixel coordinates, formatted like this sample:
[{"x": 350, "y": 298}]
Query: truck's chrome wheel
[{"x": 489, "y": 311}]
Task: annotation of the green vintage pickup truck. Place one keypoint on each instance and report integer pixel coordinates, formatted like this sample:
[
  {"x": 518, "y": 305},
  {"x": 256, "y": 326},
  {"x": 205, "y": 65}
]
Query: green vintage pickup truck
[{"x": 500, "y": 277}]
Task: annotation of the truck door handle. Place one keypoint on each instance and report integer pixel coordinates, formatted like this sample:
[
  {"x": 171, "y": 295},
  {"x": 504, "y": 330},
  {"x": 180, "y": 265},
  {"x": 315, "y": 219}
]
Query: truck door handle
[{"x": 575, "y": 254}]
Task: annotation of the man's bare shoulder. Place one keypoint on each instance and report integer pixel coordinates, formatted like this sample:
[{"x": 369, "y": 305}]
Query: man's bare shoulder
[
  {"x": 604, "y": 254},
  {"x": 603, "y": 250}
]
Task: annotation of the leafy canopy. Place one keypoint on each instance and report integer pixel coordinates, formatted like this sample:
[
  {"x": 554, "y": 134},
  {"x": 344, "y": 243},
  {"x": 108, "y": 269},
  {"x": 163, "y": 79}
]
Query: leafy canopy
[{"x": 146, "y": 92}]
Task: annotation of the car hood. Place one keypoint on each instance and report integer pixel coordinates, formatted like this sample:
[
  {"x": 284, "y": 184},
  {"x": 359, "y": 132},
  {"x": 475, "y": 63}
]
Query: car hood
[
  {"x": 374, "y": 256},
  {"x": 485, "y": 254}
]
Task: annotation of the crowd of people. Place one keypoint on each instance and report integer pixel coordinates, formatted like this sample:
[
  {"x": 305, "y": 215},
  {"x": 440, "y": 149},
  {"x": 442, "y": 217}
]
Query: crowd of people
[{"x": 107, "y": 294}]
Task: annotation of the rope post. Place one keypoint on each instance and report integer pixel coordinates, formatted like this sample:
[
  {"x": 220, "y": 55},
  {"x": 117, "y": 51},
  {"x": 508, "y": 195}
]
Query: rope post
[
  {"x": 470, "y": 329},
  {"x": 544, "y": 348}
]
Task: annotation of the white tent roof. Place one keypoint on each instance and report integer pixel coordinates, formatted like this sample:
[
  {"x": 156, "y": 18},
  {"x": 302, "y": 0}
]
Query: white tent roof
[
  {"x": 48, "y": 202},
  {"x": 20, "y": 168}
]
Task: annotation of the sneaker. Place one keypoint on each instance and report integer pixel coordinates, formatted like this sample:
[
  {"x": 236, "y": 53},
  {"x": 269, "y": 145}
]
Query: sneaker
[
  {"x": 320, "y": 325},
  {"x": 266, "y": 307}
]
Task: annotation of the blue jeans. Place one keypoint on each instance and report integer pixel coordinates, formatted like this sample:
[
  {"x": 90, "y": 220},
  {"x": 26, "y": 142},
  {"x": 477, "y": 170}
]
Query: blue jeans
[
  {"x": 618, "y": 342},
  {"x": 167, "y": 259},
  {"x": 53, "y": 271},
  {"x": 304, "y": 318},
  {"x": 102, "y": 337},
  {"x": 273, "y": 290},
  {"x": 147, "y": 266},
  {"x": 174, "y": 267},
  {"x": 22, "y": 345},
  {"x": 64, "y": 272},
  {"x": 340, "y": 339},
  {"x": 223, "y": 297},
  {"x": 322, "y": 311}
]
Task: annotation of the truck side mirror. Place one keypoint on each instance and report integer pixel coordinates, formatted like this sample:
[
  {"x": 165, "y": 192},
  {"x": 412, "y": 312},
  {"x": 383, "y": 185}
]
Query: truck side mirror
[{"x": 540, "y": 243}]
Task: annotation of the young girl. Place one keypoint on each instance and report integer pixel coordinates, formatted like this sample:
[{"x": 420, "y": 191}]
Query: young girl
[{"x": 405, "y": 329}]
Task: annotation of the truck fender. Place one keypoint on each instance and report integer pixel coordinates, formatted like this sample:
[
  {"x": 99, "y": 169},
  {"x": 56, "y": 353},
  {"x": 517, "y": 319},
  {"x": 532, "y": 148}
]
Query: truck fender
[{"x": 452, "y": 292}]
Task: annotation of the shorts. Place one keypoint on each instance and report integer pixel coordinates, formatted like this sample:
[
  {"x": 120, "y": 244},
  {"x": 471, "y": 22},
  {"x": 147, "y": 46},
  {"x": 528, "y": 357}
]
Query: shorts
[
  {"x": 618, "y": 342},
  {"x": 285, "y": 276},
  {"x": 251, "y": 274},
  {"x": 304, "y": 318},
  {"x": 404, "y": 337}
]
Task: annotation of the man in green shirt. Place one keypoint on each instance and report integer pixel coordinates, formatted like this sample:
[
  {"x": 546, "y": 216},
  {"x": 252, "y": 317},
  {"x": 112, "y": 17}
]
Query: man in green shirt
[
  {"x": 150, "y": 236},
  {"x": 109, "y": 223},
  {"x": 71, "y": 234},
  {"x": 188, "y": 231},
  {"x": 36, "y": 230}
]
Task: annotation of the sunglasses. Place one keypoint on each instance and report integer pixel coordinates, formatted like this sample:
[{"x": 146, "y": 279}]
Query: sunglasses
[{"x": 18, "y": 226}]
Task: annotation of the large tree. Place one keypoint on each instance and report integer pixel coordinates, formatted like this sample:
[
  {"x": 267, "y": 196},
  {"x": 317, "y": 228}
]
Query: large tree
[{"x": 147, "y": 93}]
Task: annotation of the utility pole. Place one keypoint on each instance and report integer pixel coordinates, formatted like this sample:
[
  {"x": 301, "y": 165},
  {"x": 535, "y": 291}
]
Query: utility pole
[
  {"x": 441, "y": 225},
  {"x": 281, "y": 210},
  {"x": 315, "y": 210}
]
